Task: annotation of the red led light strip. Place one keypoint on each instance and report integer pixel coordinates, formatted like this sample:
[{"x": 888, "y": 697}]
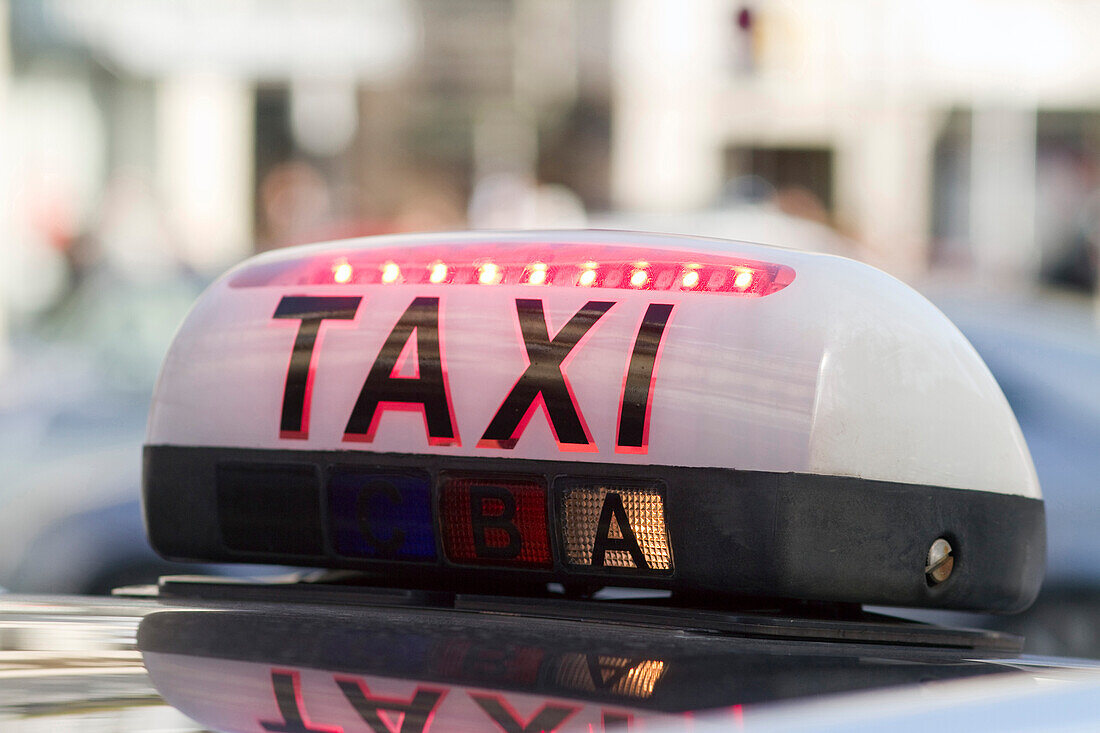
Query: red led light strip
[{"x": 534, "y": 266}]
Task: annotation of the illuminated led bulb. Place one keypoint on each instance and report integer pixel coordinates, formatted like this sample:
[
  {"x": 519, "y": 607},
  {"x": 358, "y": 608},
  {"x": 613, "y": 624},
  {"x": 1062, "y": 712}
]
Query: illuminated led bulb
[
  {"x": 588, "y": 277},
  {"x": 342, "y": 271},
  {"x": 743, "y": 280},
  {"x": 488, "y": 274},
  {"x": 438, "y": 273},
  {"x": 391, "y": 273},
  {"x": 690, "y": 279},
  {"x": 537, "y": 274},
  {"x": 639, "y": 278}
]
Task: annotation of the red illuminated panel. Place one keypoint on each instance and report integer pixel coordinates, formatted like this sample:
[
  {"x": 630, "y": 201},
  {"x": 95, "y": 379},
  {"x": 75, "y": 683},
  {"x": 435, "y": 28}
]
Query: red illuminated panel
[
  {"x": 511, "y": 663},
  {"x": 530, "y": 265},
  {"x": 490, "y": 520}
]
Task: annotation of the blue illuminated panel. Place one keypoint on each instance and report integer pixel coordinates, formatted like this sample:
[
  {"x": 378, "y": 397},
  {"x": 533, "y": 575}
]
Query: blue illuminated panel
[{"x": 382, "y": 515}]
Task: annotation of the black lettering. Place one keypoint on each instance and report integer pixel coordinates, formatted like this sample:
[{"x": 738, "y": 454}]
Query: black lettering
[
  {"x": 311, "y": 311},
  {"x": 633, "y": 434},
  {"x": 613, "y": 509},
  {"x": 416, "y": 711},
  {"x": 543, "y": 377},
  {"x": 481, "y": 522},
  {"x": 547, "y": 719},
  {"x": 426, "y": 391},
  {"x": 388, "y": 546},
  {"x": 288, "y": 696}
]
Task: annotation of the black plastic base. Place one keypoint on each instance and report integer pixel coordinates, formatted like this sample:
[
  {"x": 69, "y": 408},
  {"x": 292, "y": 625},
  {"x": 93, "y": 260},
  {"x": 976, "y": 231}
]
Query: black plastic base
[
  {"x": 739, "y": 533},
  {"x": 792, "y": 621},
  {"x": 645, "y": 656}
]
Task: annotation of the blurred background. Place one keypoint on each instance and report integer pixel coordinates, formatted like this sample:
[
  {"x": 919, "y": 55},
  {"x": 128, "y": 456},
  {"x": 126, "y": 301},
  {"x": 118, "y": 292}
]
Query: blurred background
[{"x": 146, "y": 145}]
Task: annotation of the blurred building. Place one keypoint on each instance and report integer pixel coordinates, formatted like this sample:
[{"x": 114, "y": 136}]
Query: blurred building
[
  {"x": 204, "y": 128},
  {"x": 960, "y": 131},
  {"x": 190, "y": 132}
]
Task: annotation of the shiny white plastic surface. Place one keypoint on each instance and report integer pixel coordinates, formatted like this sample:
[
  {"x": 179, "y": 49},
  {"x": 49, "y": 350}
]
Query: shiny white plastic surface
[
  {"x": 234, "y": 696},
  {"x": 845, "y": 371}
]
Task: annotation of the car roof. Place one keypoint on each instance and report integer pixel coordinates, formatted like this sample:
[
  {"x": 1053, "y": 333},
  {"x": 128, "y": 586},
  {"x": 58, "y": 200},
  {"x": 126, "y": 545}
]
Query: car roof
[{"x": 601, "y": 660}]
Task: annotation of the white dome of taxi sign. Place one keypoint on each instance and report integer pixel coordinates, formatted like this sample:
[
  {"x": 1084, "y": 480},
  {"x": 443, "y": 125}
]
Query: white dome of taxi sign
[{"x": 594, "y": 408}]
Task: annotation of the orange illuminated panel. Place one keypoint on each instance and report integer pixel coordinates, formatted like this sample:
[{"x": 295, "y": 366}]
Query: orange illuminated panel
[
  {"x": 621, "y": 676},
  {"x": 605, "y": 525}
]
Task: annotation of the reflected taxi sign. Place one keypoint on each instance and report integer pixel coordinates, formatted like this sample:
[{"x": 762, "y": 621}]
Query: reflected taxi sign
[{"x": 594, "y": 408}]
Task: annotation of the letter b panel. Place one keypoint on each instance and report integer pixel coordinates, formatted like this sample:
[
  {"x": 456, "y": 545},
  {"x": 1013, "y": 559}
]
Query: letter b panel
[{"x": 495, "y": 520}]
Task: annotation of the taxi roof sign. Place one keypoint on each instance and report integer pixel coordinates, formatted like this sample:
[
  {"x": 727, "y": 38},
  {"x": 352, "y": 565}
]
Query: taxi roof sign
[{"x": 593, "y": 407}]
